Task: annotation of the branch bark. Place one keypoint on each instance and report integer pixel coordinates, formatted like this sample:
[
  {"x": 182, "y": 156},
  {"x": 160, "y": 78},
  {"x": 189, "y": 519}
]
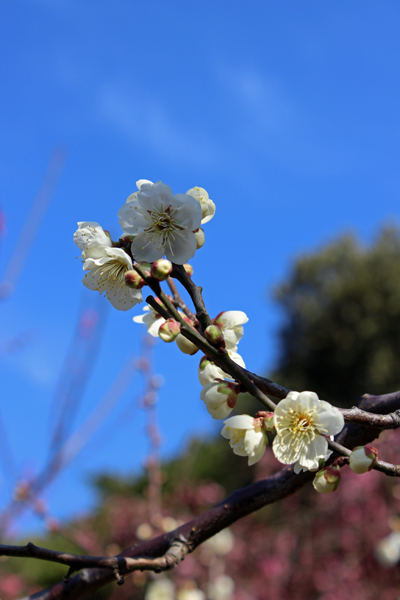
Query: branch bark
[{"x": 239, "y": 504}]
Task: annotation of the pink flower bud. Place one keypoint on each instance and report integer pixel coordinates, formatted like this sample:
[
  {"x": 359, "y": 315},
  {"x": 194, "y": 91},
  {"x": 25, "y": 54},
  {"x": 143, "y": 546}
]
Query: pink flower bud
[
  {"x": 134, "y": 280},
  {"x": 268, "y": 421},
  {"x": 362, "y": 459},
  {"x": 189, "y": 269},
  {"x": 169, "y": 330},
  {"x": 161, "y": 269},
  {"x": 214, "y": 335},
  {"x": 327, "y": 480}
]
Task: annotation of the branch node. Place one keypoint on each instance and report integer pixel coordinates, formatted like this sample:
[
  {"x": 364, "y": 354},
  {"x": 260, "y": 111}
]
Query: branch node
[
  {"x": 68, "y": 575},
  {"x": 118, "y": 576}
]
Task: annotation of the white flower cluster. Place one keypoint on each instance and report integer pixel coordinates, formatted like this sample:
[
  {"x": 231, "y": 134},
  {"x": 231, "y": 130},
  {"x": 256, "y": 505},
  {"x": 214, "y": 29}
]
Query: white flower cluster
[
  {"x": 219, "y": 395},
  {"x": 303, "y": 424},
  {"x": 158, "y": 223},
  {"x": 105, "y": 266}
]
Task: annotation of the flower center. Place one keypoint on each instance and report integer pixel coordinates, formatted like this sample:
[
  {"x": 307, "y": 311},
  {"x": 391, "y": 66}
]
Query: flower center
[
  {"x": 113, "y": 271},
  {"x": 299, "y": 427},
  {"x": 237, "y": 438},
  {"x": 163, "y": 227}
]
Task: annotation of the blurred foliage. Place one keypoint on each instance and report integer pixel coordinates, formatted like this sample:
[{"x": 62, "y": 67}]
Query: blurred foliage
[{"x": 341, "y": 331}]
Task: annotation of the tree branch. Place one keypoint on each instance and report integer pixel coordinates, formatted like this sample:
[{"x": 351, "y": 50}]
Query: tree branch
[
  {"x": 362, "y": 417},
  {"x": 195, "y": 293},
  {"x": 239, "y": 504}
]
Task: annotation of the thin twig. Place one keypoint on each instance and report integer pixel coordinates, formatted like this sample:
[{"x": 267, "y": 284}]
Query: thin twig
[
  {"x": 76, "y": 562},
  {"x": 195, "y": 293},
  {"x": 178, "y": 302}
]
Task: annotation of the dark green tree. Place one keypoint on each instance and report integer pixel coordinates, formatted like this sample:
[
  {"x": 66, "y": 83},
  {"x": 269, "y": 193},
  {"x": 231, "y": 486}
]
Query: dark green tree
[{"x": 341, "y": 330}]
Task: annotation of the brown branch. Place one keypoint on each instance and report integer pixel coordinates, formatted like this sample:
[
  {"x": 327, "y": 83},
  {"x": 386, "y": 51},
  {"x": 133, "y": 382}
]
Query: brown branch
[
  {"x": 362, "y": 417},
  {"x": 178, "y": 302},
  {"x": 195, "y": 293},
  {"x": 239, "y": 504},
  {"x": 253, "y": 383},
  {"x": 117, "y": 564}
]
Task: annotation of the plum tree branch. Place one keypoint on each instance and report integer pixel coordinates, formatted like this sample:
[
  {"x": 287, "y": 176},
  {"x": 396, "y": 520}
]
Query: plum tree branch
[{"x": 237, "y": 505}]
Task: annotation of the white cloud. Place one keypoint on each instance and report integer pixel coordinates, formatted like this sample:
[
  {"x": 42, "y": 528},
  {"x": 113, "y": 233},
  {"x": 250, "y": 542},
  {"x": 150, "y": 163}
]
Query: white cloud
[
  {"x": 274, "y": 124},
  {"x": 145, "y": 120}
]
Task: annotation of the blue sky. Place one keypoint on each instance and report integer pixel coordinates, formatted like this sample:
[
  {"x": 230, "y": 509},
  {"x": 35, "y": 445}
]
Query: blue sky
[{"x": 286, "y": 112}]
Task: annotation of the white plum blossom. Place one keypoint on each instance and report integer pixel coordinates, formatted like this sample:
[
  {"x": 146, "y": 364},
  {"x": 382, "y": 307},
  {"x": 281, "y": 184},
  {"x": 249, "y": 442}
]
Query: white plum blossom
[
  {"x": 388, "y": 550},
  {"x": 208, "y": 371},
  {"x": 362, "y": 459},
  {"x": 151, "y": 319},
  {"x": 185, "y": 345},
  {"x": 327, "y": 480},
  {"x": 207, "y": 205},
  {"x": 89, "y": 237},
  {"x": 161, "y": 223},
  {"x": 221, "y": 543},
  {"x": 246, "y": 437},
  {"x": 303, "y": 422},
  {"x": 221, "y": 588},
  {"x": 231, "y": 322},
  {"x": 220, "y": 398},
  {"x": 190, "y": 593},
  {"x": 106, "y": 273},
  {"x": 160, "y": 589}
]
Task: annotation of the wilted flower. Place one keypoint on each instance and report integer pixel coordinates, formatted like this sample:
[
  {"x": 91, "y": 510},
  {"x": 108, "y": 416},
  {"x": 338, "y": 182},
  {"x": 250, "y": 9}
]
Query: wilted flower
[
  {"x": 106, "y": 273},
  {"x": 302, "y": 421},
  {"x": 246, "y": 437},
  {"x": 161, "y": 223},
  {"x": 362, "y": 459}
]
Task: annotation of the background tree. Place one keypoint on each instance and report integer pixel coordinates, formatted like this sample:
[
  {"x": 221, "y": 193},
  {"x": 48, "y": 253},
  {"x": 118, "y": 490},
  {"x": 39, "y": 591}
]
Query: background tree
[{"x": 341, "y": 309}]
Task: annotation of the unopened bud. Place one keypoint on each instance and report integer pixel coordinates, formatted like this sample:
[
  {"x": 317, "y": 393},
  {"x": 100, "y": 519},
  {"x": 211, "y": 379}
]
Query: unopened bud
[
  {"x": 188, "y": 268},
  {"x": 169, "y": 330},
  {"x": 214, "y": 335},
  {"x": 107, "y": 234},
  {"x": 134, "y": 280},
  {"x": 268, "y": 421},
  {"x": 362, "y": 459},
  {"x": 220, "y": 398},
  {"x": 327, "y": 480},
  {"x": 208, "y": 371},
  {"x": 185, "y": 345},
  {"x": 200, "y": 237},
  {"x": 161, "y": 269}
]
